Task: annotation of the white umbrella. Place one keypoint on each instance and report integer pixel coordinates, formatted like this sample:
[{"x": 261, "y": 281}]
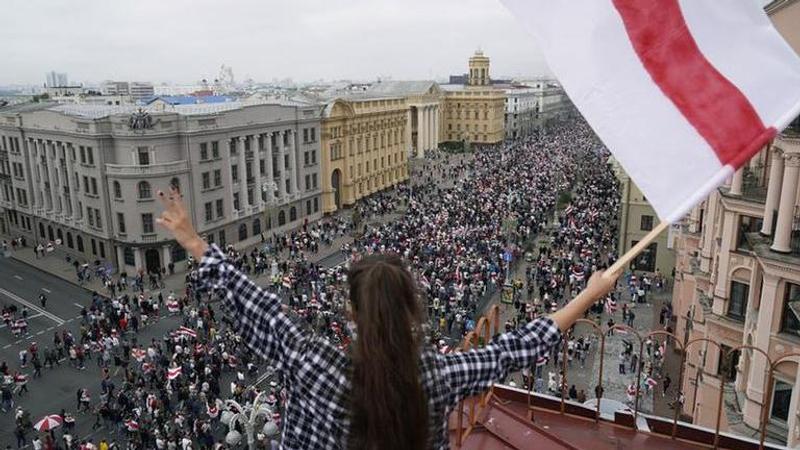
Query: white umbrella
[{"x": 49, "y": 422}]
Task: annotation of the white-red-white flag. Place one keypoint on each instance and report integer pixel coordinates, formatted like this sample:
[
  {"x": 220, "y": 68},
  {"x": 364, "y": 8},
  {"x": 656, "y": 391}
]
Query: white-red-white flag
[
  {"x": 174, "y": 373},
  {"x": 186, "y": 331},
  {"x": 683, "y": 92}
]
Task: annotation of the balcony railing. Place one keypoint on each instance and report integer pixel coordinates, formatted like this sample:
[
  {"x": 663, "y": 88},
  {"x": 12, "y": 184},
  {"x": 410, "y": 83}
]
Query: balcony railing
[
  {"x": 149, "y": 170},
  {"x": 475, "y": 410}
]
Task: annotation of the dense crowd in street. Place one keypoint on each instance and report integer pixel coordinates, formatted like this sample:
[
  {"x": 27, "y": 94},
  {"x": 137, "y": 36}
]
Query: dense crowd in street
[{"x": 460, "y": 227}]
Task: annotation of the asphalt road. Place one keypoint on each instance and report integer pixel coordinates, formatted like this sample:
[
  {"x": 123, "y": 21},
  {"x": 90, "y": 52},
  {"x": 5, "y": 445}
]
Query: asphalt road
[{"x": 22, "y": 284}]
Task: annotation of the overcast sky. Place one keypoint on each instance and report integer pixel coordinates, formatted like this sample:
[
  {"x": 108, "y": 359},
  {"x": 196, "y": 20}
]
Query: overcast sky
[{"x": 187, "y": 40}]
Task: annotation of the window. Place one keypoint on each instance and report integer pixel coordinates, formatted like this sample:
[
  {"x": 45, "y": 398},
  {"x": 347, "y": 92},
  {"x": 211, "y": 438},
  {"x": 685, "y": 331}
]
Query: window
[
  {"x": 747, "y": 224},
  {"x": 281, "y": 218},
  {"x": 790, "y": 320},
  {"x": 242, "y": 232},
  {"x": 85, "y": 184},
  {"x": 726, "y": 365},
  {"x": 90, "y": 215},
  {"x": 144, "y": 190},
  {"x": 90, "y": 156},
  {"x": 94, "y": 186},
  {"x": 256, "y": 227},
  {"x": 305, "y": 135},
  {"x": 313, "y": 134},
  {"x": 316, "y": 204},
  {"x": 306, "y": 158},
  {"x": 781, "y": 397},
  {"x": 117, "y": 190},
  {"x": 203, "y": 151},
  {"x": 236, "y": 201},
  {"x": 178, "y": 253},
  {"x": 292, "y": 214},
  {"x": 215, "y": 149},
  {"x": 308, "y": 182},
  {"x": 234, "y": 173},
  {"x": 647, "y": 259},
  {"x": 217, "y": 178},
  {"x": 219, "y": 207},
  {"x": 647, "y": 223},
  {"x": 147, "y": 223},
  {"x": 121, "y": 223},
  {"x": 83, "y": 154},
  {"x": 128, "y": 256},
  {"x": 209, "y": 209},
  {"x": 737, "y": 305},
  {"x": 143, "y": 156},
  {"x": 94, "y": 247},
  {"x": 98, "y": 219},
  {"x": 313, "y": 156},
  {"x": 308, "y": 207},
  {"x": 80, "y": 243},
  {"x": 206, "y": 177},
  {"x": 222, "y": 240}
]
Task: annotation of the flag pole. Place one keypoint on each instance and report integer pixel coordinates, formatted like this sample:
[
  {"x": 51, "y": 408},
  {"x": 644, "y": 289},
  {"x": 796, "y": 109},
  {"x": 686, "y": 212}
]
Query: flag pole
[{"x": 636, "y": 249}]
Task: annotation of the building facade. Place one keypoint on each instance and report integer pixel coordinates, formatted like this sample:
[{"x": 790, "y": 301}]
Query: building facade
[
  {"x": 521, "y": 112},
  {"x": 473, "y": 112},
  {"x": 424, "y": 100},
  {"x": 637, "y": 218},
  {"x": 87, "y": 175},
  {"x": 365, "y": 144},
  {"x": 737, "y": 289}
]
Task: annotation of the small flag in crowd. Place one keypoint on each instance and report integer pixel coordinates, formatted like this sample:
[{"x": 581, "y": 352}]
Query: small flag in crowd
[
  {"x": 174, "y": 373},
  {"x": 541, "y": 361},
  {"x": 138, "y": 354},
  {"x": 683, "y": 93},
  {"x": 132, "y": 425},
  {"x": 651, "y": 382},
  {"x": 185, "y": 331},
  {"x": 287, "y": 282}
]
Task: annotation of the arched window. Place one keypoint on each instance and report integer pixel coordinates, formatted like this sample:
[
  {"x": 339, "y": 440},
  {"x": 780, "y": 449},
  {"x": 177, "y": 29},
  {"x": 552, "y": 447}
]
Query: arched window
[
  {"x": 242, "y": 232},
  {"x": 175, "y": 183},
  {"x": 60, "y": 235},
  {"x": 144, "y": 190},
  {"x": 292, "y": 214},
  {"x": 269, "y": 222},
  {"x": 80, "y": 243},
  {"x": 281, "y": 218},
  {"x": 41, "y": 230},
  {"x": 256, "y": 227},
  {"x": 69, "y": 240},
  {"x": 117, "y": 190}
]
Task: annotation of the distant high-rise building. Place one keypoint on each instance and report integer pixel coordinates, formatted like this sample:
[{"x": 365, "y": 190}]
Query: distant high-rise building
[{"x": 56, "y": 79}]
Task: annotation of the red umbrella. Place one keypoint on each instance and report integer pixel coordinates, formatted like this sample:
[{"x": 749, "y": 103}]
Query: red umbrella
[{"x": 49, "y": 422}]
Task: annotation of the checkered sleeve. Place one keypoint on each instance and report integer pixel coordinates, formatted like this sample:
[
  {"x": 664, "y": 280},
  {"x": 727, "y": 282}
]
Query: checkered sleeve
[
  {"x": 257, "y": 313},
  {"x": 472, "y": 372}
]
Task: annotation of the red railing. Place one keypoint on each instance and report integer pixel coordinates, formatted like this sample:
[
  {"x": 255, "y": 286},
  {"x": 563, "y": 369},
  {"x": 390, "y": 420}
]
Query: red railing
[{"x": 489, "y": 326}]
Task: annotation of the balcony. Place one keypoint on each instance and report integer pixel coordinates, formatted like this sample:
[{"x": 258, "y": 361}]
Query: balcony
[
  {"x": 508, "y": 417},
  {"x": 152, "y": 170},
  {"x": 150, "y": 238}
]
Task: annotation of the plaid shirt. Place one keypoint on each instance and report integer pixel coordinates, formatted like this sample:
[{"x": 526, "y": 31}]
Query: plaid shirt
[{"x": 316, "y": 371}]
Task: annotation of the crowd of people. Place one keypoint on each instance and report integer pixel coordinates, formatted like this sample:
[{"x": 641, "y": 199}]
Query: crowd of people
[{"x": 463, "y": 225}]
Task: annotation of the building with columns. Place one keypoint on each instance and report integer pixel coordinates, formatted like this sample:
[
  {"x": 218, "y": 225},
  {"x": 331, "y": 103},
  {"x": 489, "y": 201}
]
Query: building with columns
[
  {"x": 423, "y": 99},
  {"x": 737, "y": 288},
  {"x": 365, "y": 143},
  {"x": 474, "y": 112},
  {"x": 87, "y": 175}
]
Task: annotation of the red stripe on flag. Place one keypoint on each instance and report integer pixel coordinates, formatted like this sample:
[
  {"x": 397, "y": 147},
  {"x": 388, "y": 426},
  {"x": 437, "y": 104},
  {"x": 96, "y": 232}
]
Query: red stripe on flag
[{"x": 714, "y": 106}]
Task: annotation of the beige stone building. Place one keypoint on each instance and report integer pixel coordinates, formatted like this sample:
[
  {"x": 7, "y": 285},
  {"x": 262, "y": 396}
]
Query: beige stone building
[
  {"x": 474, "y": 112},
  {"x": 738, "y": 285},
  {"x": 637, "y": 218},
  {"x": 365, "y": 144}
]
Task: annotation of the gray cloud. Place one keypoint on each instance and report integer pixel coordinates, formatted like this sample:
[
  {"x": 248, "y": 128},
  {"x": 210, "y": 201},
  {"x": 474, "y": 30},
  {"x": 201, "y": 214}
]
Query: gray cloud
[{"x": 184, "y": 41}]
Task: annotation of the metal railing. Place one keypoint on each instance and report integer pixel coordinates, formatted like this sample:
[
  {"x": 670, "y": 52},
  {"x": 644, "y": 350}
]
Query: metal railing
[
  {"x": 149, "y": 170},
  {"x": 489, "y": 326}
]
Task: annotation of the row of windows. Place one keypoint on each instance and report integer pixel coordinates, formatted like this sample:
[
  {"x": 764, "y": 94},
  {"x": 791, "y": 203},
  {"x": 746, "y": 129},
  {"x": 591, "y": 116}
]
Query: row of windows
[
  {"x": 458, "y": 137},
  {"x": 466, "y": 127},
  {"x": 400, "y": 156},
  {"x": 74, "y": 244},
  {"x": 11, "y": 144},
  {"x": 220, "y": 236}
]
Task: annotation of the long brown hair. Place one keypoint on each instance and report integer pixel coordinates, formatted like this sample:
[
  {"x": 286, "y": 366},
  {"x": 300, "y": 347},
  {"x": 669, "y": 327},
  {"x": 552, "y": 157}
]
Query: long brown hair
[{"x": 389, "y": 406}]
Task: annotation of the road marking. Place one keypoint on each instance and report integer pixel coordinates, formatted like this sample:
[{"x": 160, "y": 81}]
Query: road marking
[
  {"x": 18, "y": 277},
  {"x": 47, "y": 290},
  {"x": 6, "y": 346},
  {"x": 78, "y": 305},
  {"x": 30, "y": 305},
  {"x": 40, "y": 333}
]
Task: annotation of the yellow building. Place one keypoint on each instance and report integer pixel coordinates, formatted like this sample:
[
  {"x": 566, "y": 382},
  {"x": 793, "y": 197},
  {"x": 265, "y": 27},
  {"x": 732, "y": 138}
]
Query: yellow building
[
  {"x": 637, "y": 219},
  {"x": 473, "y": 112},
  {"x": 365, "y": 145}
]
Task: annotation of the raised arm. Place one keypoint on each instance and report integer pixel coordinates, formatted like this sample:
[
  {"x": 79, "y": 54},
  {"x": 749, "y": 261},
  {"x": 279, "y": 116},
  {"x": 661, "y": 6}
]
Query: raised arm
[
  {"x": 258, "y": 315},
  {"x": 472, "y": 372}
]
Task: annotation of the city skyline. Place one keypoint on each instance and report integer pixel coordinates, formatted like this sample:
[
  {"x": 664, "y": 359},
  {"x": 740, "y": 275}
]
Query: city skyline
[{"x": 179, "y": 42}]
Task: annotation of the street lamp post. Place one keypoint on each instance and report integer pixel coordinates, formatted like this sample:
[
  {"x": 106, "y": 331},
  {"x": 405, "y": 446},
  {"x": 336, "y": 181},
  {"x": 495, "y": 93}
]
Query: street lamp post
[{"x": 248, "y": 417}]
